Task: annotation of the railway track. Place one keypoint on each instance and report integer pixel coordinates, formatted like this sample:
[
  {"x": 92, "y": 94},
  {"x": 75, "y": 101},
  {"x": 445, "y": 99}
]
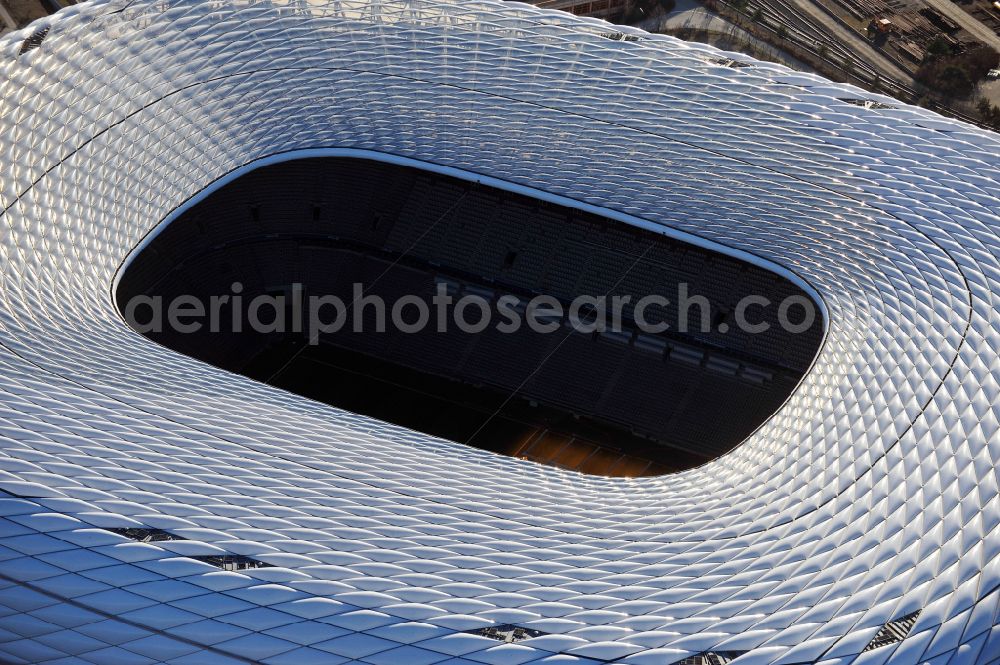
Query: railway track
[{"x": 815, "y": 38}]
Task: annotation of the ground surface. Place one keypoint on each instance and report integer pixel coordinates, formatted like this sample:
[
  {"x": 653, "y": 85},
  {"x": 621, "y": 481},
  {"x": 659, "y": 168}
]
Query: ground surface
[
  {"x": 24, "y": 11},
  {"x": 968, "y": 22},
  {"x": 991, "y": 91},
  {"x": 853, "y": 40},
  {"x": 690, "y": 15}
]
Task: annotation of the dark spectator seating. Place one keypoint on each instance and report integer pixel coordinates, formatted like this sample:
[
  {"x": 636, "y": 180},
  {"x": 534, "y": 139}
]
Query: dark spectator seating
[{"x": 625, "y": 404}]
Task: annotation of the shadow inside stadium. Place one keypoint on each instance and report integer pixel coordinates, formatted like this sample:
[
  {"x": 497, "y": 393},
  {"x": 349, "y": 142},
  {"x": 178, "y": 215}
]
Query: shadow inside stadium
[{"x": 624, "y": 403}]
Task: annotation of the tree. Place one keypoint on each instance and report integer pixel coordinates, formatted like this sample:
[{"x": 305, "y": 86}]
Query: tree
[
  {"x": 957, "y": 75},
  {"x": 953, "y": 81},
  {"x": 939, "y": 47}
]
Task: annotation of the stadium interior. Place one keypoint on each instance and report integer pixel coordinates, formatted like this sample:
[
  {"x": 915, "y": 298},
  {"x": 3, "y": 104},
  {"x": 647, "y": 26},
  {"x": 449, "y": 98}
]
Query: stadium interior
[{"x": 622, "y": 404}]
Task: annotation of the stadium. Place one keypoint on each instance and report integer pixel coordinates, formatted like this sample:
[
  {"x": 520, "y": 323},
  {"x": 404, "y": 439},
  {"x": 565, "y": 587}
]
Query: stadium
[{"x": 690, "y": 497}]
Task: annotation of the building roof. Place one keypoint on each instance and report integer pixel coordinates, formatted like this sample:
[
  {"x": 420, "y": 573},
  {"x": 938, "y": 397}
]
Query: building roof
[{"x": 299, "y": 533}]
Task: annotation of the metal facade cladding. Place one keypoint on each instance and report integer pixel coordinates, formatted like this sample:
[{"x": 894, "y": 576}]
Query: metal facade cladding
[{"x": 870, "y": 496}]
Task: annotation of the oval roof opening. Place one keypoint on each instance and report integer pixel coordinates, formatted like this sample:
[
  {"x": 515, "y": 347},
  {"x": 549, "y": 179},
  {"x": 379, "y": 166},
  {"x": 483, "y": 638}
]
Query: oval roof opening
[{"x": 476, "y": 314}]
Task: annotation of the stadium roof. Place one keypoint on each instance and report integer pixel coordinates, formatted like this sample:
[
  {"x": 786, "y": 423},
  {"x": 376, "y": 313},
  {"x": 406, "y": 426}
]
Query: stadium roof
[{"x": 159, "y": 510}]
